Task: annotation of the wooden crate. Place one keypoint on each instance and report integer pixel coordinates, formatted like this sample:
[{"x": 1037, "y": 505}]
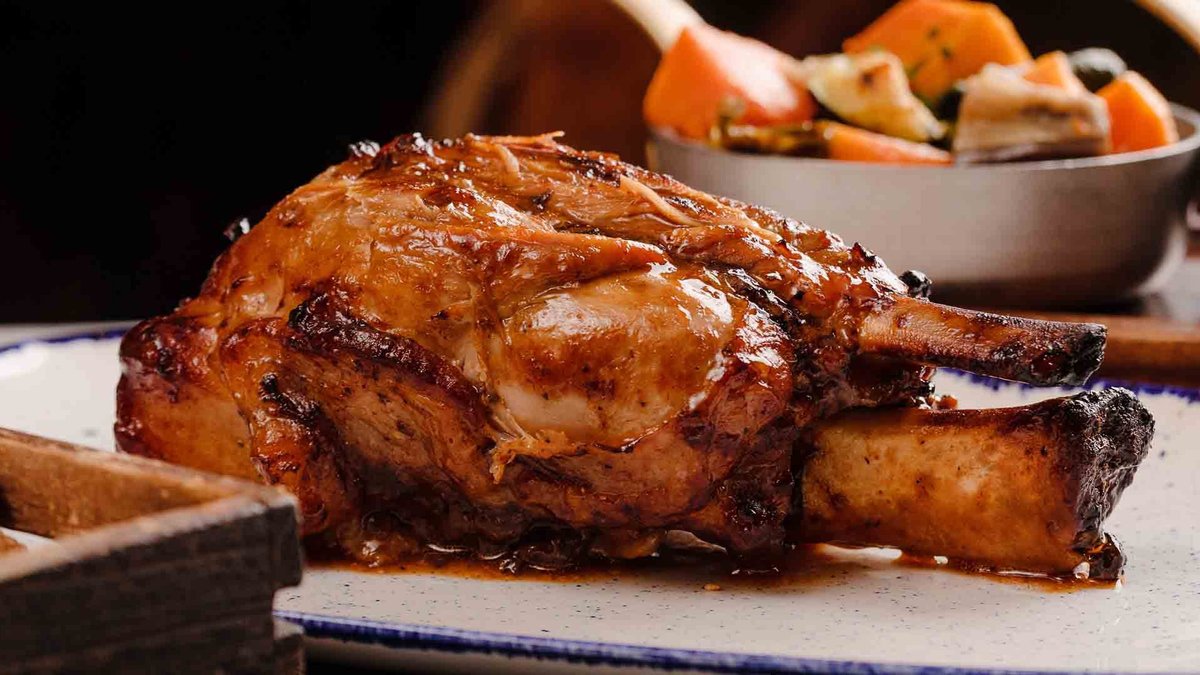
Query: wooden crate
[{"x": 154, "y": 568}]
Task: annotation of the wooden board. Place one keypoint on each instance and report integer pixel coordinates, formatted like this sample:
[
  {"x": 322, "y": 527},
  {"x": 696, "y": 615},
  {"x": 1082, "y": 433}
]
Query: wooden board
[{"x": 157, "y": 568}]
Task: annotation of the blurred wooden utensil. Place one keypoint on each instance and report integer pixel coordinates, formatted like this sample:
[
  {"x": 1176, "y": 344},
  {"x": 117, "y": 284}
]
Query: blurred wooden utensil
[
  {"x": 661, "y": 19},
  {"x": 1183, "y": 16}
]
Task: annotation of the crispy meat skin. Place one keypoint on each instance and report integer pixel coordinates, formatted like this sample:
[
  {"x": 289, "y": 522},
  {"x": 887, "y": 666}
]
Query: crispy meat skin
[{"x": 501, "y": 343}]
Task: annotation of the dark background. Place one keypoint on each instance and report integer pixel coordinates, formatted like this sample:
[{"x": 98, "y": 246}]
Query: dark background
[{"x": 130, "y": 141}]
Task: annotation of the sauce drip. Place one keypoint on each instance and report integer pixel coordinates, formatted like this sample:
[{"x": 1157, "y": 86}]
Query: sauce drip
[{"x": 805, "y": 566}]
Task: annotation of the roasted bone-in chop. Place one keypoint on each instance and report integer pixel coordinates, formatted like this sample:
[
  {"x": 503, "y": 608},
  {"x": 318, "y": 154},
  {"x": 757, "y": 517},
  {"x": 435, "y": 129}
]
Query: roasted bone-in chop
[{"x": 505, "y": 346}]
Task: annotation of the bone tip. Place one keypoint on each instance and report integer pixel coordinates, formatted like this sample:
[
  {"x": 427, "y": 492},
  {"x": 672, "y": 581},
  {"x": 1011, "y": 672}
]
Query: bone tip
[
  {"x": 1093, "y": 340},
  {"x": 1113, "y": 431},
  {"x": 1116, "y": 418},
  {"x": 1126, "y": 417},
  {"x": 1085, "y": 351},
  {"x": 1104, "y": 561}
]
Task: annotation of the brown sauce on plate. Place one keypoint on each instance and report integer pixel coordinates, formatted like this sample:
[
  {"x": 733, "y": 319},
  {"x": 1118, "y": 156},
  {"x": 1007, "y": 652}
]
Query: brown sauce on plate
[
  {"x": 805, "y": 566},
  {"x": 1040, "y": 582}
]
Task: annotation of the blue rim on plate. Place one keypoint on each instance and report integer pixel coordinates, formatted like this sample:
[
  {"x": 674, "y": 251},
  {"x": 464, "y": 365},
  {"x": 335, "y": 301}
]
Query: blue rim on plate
[
  {"x": 95, "y": 336},
  {"x": 613, "y": 654},
  {"x": 460, "y": 641}
]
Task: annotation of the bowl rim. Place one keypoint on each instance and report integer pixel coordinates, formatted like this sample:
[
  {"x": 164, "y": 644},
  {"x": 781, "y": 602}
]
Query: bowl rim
[{"x": 1184, "y": 145}]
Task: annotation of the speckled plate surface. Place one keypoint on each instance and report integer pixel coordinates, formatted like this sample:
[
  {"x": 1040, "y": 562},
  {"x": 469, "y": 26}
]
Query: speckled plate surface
[{"x": 860, "y": 613}]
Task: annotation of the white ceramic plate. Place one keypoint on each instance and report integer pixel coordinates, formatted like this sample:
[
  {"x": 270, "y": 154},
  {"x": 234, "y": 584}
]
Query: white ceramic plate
[{"x": 863, "y": 615}]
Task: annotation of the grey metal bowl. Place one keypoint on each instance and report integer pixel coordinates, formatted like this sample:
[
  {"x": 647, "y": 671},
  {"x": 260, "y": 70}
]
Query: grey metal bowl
[{"x": 1055, "y": 233}]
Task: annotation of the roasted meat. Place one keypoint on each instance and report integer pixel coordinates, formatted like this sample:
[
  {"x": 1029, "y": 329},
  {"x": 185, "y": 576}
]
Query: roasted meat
[{"x": 505, "y": 346}]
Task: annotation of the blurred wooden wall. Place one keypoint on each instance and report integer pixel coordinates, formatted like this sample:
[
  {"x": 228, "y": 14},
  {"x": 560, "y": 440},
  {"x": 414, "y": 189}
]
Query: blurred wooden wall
[
  {"x": 581, "y": 66},
  {"x": 530, "y": 66}
]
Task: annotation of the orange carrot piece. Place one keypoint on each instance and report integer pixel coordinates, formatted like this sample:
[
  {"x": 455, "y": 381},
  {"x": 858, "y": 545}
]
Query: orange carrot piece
[
  {"x": 942, "y": 41},
  {"x": 706, "y": 68},
  {"x": 849, "y": 143},
  {"x": 1140, "y": 118},
  {"x": 1054, "y": 69}
]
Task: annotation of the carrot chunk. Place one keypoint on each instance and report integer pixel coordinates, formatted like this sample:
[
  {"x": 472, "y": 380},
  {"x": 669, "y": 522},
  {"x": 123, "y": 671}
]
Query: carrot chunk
[
  {"x": 1055, "y": 70},
  {"x": 706, "y": 68},
  {"x": 849, "y": 143},
  {"x": 942, "y": 41},
  {"x": 1139, "y": 116}
]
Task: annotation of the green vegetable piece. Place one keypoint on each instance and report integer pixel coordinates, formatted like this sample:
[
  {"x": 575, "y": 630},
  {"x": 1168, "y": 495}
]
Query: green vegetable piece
[
  {"x": 1096, "y": 67},
  {"x": 946, "y": 107}
]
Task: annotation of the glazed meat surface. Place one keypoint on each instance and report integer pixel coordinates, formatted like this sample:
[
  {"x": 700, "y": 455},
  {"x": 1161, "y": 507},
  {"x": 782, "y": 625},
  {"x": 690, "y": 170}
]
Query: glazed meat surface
[{"x": 507, "y": 346}]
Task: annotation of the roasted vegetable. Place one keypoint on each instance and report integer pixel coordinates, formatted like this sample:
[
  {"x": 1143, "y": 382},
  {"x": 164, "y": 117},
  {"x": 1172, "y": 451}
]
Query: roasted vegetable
[
  {"x": 828, "y": 140},
  {"x": 848, "y": 143},
  {"x": 947, "y": 106},
  {"x": 1055, "y": 70},
  {"x": 1005, "y": 117},
  {"x": 942, "y": 41},
  {"x": 870, "y": 90},
  {"x": 706, "y": 68},
  {"x": 1140, "y": 117},
  {"x": 1096, "y": 67},
  {"x": 795, "y": 140}
]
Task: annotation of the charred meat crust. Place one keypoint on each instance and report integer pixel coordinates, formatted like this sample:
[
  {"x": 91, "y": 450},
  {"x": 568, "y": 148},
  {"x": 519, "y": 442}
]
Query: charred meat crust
[
  {"x": 919, "y": 285},
  {"x": 324, "y": 323},
  {"x": 171, "y": 405},
  {"x": 748, "y": 511},
  {"x": 1111, "y": 432},
  {"x": 173, "y": 347}
]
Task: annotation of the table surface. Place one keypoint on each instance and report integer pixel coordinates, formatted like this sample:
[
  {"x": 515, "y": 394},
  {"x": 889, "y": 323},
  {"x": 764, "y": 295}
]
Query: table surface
[{"x": 1179, "y": 301}]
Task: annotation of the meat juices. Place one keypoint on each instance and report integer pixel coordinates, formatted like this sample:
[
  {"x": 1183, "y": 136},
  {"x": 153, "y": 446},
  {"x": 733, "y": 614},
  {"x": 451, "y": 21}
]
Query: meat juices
[{"x": 505, "y": 346}]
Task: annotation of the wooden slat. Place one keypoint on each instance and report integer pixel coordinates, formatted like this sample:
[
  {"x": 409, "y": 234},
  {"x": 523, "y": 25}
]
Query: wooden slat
[
  {"x": 289, "y": 648},
  {"x": 52, "y": 488},
  {"x": 157, "y": 568}
]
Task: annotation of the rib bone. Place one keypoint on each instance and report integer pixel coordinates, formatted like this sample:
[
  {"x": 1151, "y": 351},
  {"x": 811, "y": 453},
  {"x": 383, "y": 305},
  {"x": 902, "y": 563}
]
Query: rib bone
[
  {"x": 1026, "y": 350},
  {"x": 1023, "y": 488}
]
